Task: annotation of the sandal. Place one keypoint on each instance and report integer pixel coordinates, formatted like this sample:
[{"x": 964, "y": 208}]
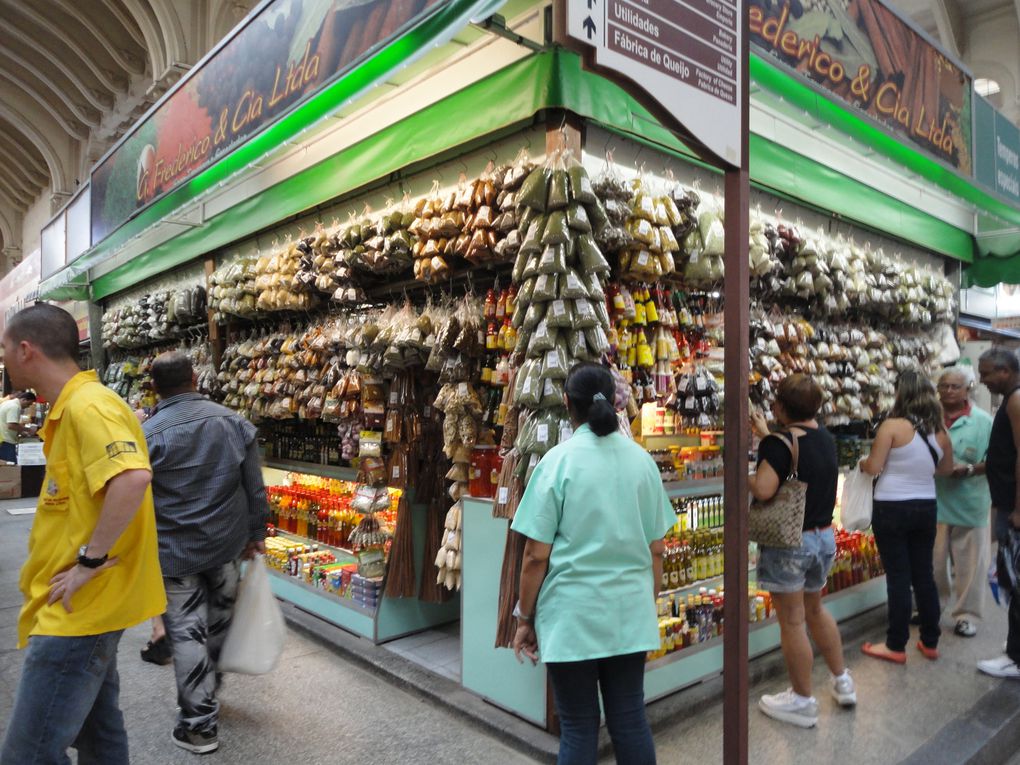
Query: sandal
[
  {"x": 881, "y": 651},
  {"x": 158, "y": 652},
  {"x": 929, "y": 653}
]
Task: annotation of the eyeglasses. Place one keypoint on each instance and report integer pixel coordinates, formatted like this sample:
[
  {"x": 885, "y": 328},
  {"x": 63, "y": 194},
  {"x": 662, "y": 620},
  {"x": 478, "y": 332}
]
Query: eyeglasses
[{"x": 951, "y": 386}]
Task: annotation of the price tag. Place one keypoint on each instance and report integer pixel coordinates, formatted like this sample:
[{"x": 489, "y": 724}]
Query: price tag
[
  {"x": 565, "y": 432},
  {"x": 548, "y": 390},
  {"x": 481, "y": 337},
  {"x": 558, "y": 308},
  {"x": 396, "y": 471},
  {"x": 526, "y": 388},
  {"x": 691, "y": 404},
  {"x": 584, "y": 307},
  {"x": 553, "y": 360},
  {"x": 462, "y": 389},
  {"x": 642, "y": 258},
  {"x": 694, "y": 256},
  {"x": 394, "y": 398},
  {"x": 504, "y": 495},
  {"x": 542, "y": 433},
  {"x": 701, "y": 383}
]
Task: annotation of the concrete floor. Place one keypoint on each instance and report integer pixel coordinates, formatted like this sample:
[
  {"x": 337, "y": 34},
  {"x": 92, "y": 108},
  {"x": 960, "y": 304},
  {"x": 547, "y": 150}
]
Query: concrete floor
[{"x": 318, "y": 707}]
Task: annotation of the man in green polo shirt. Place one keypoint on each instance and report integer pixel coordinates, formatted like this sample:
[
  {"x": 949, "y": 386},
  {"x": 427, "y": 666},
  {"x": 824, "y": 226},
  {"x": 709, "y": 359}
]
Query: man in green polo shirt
[{"x": 964, "y": 504}]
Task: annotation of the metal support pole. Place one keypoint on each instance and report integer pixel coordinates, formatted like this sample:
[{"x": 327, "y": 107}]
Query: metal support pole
[{"x": 737, "y": 426}]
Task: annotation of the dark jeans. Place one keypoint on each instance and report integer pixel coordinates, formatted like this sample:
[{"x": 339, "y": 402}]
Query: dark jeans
[
  {"x": 1013, "y": 612},
  {"x": 576, "y": 686},
  {"x": 68, "y": 697},
  {"x": 905, "y": 534}
]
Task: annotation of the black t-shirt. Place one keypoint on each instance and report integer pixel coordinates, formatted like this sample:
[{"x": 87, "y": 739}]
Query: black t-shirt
[
  {"x": 817, "y": 467},
  {"x": 1000, "y": 464}
]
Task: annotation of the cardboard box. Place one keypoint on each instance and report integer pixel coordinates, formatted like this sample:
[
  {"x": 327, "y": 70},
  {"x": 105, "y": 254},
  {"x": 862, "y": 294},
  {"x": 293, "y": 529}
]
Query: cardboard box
[
  {"x": 31, "y": 453},
  {"x": 10, "y": 482}
]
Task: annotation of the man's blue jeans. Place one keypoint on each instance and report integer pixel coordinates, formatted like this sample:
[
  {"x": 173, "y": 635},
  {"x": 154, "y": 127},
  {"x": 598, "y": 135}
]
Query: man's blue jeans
[
  {"x": 576, "y": 686},
  {"x": 68, "y": 697}
]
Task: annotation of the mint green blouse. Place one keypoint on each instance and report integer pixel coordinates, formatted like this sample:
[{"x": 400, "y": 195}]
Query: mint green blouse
[
  {"x": 967, "y": 501},
  {"x": 599, "y": 502}
]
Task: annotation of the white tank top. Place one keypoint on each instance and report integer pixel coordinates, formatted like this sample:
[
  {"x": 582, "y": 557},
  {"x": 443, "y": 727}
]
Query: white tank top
[{"x": 909, "y": 471}]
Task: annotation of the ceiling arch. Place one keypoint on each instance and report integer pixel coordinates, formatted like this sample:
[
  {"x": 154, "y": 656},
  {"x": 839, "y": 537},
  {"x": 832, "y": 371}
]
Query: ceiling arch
[{"x": 75, "y": 76}]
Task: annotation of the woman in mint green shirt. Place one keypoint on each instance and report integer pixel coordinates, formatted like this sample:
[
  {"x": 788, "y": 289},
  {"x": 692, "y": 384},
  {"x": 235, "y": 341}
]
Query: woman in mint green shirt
[
  {"x": 964, "y": 504},
  {"x": 595, "y": 514}
]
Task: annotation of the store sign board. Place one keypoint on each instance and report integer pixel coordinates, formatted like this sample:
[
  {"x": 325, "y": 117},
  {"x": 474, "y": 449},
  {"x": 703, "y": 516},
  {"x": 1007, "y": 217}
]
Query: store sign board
[
  {"x": 683, "y": 53},
  {"x": 864, "y": 54},
  {"x": 996, "y": 151},
  {"x": 282, "y": 55}
]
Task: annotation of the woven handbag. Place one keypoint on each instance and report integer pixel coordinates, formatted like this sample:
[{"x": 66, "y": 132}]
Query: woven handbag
[{"x": 779, "y": 522}]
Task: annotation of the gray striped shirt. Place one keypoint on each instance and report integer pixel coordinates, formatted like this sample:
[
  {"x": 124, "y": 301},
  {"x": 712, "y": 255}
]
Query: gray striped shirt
[{"x": 206, "y": 483}]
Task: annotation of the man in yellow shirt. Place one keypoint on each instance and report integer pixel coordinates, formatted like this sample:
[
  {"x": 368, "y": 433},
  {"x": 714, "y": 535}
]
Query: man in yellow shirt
[{"x": 93, "y": 566}]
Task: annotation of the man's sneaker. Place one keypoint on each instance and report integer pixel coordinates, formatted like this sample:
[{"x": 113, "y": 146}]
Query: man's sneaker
[
  {"x": 158, "y": 652},
  {"x": 1003, "y": 666},
  {"x": 965, "y": 629},
  {"x": 195, "y": 741},
  {"x": 843, "y": 690},
  {"x": 791, "y": 708}
]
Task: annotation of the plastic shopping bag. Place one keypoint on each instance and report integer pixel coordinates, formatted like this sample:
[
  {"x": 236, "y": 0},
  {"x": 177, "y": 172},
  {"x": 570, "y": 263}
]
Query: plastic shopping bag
[
  {"x": 855, "y": 505},
  {"x": 254, "y": 641}
]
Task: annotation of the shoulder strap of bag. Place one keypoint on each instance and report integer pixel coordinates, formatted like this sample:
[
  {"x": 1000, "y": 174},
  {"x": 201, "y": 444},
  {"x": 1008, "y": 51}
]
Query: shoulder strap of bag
[
  {"x": 794, "y": 451},
  {"x": 924, "y": 437}
]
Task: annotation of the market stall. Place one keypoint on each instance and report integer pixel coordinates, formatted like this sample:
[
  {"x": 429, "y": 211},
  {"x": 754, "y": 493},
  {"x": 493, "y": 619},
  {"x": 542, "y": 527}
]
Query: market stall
[{"x": 395, "y": 296}]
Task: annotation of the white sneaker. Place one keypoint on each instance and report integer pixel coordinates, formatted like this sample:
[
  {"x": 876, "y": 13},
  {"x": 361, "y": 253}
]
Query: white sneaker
[
  {"x": 1003, "y": 666},
  {"x": 843, "y": 690},
  {"x": 791, "y": 708}
]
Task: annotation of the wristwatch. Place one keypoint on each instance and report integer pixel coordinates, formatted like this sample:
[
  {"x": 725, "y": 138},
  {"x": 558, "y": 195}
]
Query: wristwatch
[
  {"x": 86, "y": 561},
  {"x": 520, "y": 616},
  {"x": 970, "y": 470}
]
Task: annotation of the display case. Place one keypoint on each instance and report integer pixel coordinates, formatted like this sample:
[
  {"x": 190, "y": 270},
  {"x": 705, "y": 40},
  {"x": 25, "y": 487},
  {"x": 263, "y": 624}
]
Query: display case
[
  {"x": 364, "y": 610},
  {"x": 495, "y": 674}
]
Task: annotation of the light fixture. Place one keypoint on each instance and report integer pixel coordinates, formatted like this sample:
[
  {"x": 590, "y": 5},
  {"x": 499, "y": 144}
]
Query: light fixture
[{"x": 986, "y": 87}]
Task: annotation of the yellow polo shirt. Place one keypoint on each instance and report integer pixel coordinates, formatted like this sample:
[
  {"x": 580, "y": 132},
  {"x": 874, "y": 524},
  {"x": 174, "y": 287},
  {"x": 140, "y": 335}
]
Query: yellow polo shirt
[{"x": 89, "y": 437}]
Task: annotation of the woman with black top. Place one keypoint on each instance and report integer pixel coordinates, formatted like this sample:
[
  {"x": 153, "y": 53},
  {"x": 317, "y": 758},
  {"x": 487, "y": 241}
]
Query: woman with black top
[
  {"x": 911, "y": 447},
  {"x": 795, "y": 577}
]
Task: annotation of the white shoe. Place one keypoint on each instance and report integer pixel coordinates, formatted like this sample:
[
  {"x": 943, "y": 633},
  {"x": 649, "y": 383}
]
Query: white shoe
[
  {"x": 791, "y": 708},
  {"x": 843, "y": 690},
  {"x": 1003, "y": 666}
]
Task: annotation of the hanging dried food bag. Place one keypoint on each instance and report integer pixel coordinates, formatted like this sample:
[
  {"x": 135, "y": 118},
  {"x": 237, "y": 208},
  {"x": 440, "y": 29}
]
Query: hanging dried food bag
[
  {"x": 577, "y": 219},
  {"x": 546, "y": 288},
  {"x": 559, "y": 190},
  {"x": 553, "y": 260},
  {"x": 534, "y": 315},
  {"x": 556, "y": 229},
  {"x": 532, "y": 243},
  {"x": 572, "y": 287},
  {"x": 560, "y": 313},
  {"x": 590, "y": 257},
  {"x": 530, "y": 390},
  {"x": 552, "y": 393},
  {"x": 542, "y": 340},
  {"x": 580, "y": 184},
  {"x": 584, "y": 316},
  {"x": 534, "y": 190}
]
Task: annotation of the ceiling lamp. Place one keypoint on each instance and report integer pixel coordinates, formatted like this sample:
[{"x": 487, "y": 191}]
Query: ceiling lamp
[{"x": 986, "y": 87}]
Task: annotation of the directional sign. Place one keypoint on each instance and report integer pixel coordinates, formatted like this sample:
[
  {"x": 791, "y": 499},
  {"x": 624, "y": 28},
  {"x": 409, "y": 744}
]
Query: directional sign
[{"x": 684, "y": 53}]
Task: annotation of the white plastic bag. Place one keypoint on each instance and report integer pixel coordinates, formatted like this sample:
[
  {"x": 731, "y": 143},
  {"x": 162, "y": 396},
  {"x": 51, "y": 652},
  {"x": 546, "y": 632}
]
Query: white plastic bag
[
  {"x": 855, "y": 504},
  {"x": 254, "y": 641}
]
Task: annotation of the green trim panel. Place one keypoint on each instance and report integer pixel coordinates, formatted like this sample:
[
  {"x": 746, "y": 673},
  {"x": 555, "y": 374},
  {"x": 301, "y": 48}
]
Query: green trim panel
[{"x": 549, "y": 80}]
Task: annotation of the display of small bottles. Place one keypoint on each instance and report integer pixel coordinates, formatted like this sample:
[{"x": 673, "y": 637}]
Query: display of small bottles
[
  {"x": 699, "y": 512},
  {"x": 697, "y": 617},
  {"x": 317, "y": 443},
  {"x": 857, "y": 561},
  {"x": 692, "y": 556}
]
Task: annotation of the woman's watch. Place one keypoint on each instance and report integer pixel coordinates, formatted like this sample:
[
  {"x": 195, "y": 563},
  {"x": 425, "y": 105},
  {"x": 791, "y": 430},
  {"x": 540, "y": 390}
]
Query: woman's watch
[{"x": 517, "y": 614}]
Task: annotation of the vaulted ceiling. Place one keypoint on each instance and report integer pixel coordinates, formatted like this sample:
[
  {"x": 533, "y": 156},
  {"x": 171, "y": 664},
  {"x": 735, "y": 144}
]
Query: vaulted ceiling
[{"x": 74, "y": 76}]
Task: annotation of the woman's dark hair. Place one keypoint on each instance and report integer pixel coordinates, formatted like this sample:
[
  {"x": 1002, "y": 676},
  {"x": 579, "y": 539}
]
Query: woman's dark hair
[
  {"x": 917, "y": 401},
  {"x": 590, "y": 392},
  {"x": 800, "y": 396}
]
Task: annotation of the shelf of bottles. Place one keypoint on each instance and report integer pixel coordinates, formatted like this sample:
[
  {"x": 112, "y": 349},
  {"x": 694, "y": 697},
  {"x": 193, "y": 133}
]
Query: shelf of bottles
[
  {"x": 691, "y": 598},
  {"x": 312, "y": 520}
]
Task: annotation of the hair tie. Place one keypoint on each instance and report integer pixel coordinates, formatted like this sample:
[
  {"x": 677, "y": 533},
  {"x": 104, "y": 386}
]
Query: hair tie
[{"x": 598, "y": 397}]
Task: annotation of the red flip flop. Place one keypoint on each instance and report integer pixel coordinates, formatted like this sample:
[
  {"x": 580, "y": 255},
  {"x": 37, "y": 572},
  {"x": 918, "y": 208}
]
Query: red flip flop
[
  {"x": 929, "y": 653},
  {"x": 876, "y": 652}
]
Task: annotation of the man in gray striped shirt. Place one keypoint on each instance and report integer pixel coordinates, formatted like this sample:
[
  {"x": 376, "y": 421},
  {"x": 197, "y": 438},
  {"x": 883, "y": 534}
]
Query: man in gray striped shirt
[{"x": 210, "y": 513}]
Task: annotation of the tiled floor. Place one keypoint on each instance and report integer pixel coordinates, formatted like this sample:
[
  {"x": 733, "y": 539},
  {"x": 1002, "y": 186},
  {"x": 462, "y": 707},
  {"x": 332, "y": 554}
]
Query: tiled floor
[{"x": 437, "y": 650}]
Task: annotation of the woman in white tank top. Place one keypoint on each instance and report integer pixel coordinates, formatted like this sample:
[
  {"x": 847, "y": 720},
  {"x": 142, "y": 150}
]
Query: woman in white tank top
[{"x": 911, "y": 447}]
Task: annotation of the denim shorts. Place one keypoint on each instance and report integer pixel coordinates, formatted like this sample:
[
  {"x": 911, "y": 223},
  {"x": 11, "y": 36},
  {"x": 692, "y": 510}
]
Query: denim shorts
[{"x": 798, "y": 568}]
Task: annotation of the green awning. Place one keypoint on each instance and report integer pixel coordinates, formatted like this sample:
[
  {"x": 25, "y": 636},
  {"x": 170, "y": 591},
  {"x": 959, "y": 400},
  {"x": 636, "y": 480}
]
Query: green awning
[{"x": 553, "y": 79}]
